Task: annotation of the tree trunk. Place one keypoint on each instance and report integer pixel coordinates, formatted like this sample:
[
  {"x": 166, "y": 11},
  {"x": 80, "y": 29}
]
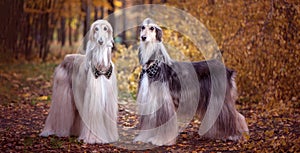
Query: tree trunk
[
  {"x": 110, "y": 12},
  {"x": 124, "y": 24},
  {"x": 9, "y": 25},
  {"x": 69, "y": 25},
  {"x": 76, "y": 33},
  {"x": 85, "y": 8},
  {"x": 96, "y": 13},
  {"x": 102, "y": 12},
  {"x": 63, "y": 30},
  {"x": 70, "y": 31}
]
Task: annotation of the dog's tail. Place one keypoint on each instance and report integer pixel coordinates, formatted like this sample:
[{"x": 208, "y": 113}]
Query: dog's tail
[{"x": 61, "y": 116}]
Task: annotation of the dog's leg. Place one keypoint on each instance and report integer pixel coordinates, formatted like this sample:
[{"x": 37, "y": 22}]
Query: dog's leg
[
  {"x": 242, "y": 124},
  {"x": 159, "y": 121},
  {"x": 99, "y": 110},
  {"x": 76, "y": 127},
  {"x": 111, "y": 109},
  {"x": 92, "y": 112},
  {"x": 62, "y": 110},
  {"x": 230, "y": 124},
  {"x": 225, "y": 124}
]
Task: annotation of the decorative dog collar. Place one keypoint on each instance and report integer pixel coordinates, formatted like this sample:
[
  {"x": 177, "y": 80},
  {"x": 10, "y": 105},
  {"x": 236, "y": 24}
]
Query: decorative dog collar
[
  {"x": 152, "y": 70},
  {"x": 107, "y": 74}
]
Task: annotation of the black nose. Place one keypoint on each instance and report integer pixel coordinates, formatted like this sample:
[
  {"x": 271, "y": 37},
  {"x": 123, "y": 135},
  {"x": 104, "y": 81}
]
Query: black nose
[
  {"x": 143, "y": 38},
  {"x": 100, "y": 42}
]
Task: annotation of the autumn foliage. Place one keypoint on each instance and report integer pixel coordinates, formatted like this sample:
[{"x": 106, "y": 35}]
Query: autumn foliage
[{"x": 259, "y": 39}]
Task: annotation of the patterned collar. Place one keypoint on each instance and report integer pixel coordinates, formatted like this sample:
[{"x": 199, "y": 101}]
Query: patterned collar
[
  {"x": 152, "y": 70},
  {"x": 107, "y": 73}
]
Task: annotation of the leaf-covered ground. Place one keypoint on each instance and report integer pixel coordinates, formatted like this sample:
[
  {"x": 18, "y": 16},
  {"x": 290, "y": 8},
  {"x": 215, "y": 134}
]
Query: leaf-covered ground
[{"x": 25, "y": 96}]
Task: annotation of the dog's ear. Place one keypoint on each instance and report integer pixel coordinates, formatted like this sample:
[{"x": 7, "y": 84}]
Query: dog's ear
[
  {"x": 158, "y": 34},
  {"x": 110, "y": 35},
  {"x": 138, "y": 31},
  {"x": 111, "y": 39},
  {"x": 139, "y": 27},
  {"x": 91, "y": 33},
  {"x": 140, "y": 55},
  {"x": 111, "y": 43}
]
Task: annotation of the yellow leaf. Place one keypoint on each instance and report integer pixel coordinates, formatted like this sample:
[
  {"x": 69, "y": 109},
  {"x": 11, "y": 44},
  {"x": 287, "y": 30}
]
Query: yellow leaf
[
  {"x": 26, "y": 95},
  {"x": 101, "y": 3},
  {"x": 269, "y": 133},
  {"x": 246, "y": 136},
  {"x": 118, "y": 3},
  {"x": 42, "y": 98}
]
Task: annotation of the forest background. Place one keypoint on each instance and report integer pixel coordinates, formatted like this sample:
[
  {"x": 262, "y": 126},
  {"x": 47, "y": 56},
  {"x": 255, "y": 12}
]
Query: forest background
[{"x": 259, "y": 39}]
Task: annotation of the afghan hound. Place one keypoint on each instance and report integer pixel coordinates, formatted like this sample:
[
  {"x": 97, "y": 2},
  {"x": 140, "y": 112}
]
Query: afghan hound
[
  {"x": 169, "y": 91},
  {"x": 84, "y": 100}
]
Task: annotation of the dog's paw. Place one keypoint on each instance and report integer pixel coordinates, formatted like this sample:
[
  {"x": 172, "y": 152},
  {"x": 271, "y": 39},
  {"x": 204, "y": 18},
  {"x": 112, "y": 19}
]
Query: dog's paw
[
  {"x": 91, "y": 139},
  {"x": 234, "y": 138},
  {"x": 46, "y": 133},
  {"x": 138, "y": 139},
  {"x": 162, "y": 142}
]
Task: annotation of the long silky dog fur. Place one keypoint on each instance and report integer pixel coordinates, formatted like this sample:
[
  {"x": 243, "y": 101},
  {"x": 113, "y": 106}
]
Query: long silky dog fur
[
  {"x": 83, "y": 105},
  {"x": 160, "y": 97}
]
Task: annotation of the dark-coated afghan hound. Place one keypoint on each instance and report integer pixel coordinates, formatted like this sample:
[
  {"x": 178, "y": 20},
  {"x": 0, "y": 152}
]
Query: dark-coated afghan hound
[{"x": 170, "y": 90}]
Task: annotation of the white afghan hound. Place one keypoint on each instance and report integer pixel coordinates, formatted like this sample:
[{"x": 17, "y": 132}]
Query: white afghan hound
[
  {"x": 84, "y": 100},
  {"x": 169, "y": 91}
]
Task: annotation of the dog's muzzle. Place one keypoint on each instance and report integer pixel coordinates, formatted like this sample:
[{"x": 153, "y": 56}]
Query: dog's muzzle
[
  {"x": 100, "y": 42},
  {"x": 143, "y": 38}
]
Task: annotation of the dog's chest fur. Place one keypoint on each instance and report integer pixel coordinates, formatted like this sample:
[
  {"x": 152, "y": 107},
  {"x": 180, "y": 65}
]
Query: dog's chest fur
[{"x": 149, "y": 52}]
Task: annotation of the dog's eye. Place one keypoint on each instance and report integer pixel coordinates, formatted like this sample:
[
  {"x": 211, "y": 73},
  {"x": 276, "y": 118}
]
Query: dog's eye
[
  {"x": 151, "y": 28},
  {"x": 143, "y": 27},
  {"x": 96, "y": 29},
  {"x": 105, "y": 28}
]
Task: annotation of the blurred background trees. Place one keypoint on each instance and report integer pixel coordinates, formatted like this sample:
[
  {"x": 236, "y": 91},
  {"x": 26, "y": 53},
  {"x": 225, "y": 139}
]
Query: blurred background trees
[
  {"x": 259, "y": 39},
  {"x": 30, "y": 26}
]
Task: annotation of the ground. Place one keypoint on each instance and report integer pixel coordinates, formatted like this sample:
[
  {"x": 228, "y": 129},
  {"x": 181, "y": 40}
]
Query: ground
[{"x": 25, "y": 98}]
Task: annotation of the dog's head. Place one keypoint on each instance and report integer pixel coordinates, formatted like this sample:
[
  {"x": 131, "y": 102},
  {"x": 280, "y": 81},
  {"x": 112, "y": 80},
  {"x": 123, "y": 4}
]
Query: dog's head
[
  {"x": 99, "y": 45},
  {"x": 150, "y": 37},
  {"x": 101, "y": 33},
  {"x": 150, "y": 32}
]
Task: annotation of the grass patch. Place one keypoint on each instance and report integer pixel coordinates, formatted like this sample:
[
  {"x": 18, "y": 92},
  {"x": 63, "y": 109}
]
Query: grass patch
[
  {"x": 29, "y": 69},
  {"x": 75, "y": 140},
  {"x": 14, "y": 77},
  {"x": 28, "y": 141},
  {"x": 55, "y": 143},
  {"x": 33, "y": 102}
]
